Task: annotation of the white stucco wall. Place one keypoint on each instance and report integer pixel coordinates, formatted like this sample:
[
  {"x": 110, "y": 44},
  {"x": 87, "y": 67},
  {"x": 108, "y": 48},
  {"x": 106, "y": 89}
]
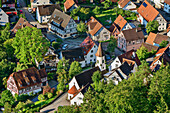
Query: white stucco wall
[
  {"x": 100, "y": 62},
  {"x": 129, "y": 5},
  {"x": 116, "y": 63},
  {"x": 74, "y": 82},
  {"x": 168, "y": 34},
  {"x": 78, "y": 99},
  {"x": 3, "y": 18}
]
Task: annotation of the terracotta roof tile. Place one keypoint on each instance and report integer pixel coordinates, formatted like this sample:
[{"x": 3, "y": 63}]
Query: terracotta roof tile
[
  {"x": 162, "y": 50},
  {"x": 120, "y": 22},
  {"x": 156, "y": 38},
  {"x": 133, "y": 34},
  {"x": 123, "y": 3},
  {"x": 147, "y": 11},
  {"x": 87, "y": 45},
  {"x": 167, "y": 2},
  {"x": 99, "y": 52},
  {"x": 96, "y": 26},
  {"x": 73, "y": 90},
  {"x": 69, "y": 3},
  {"x": 150, "y": 47},
  {"x": 20, "y": 24}
]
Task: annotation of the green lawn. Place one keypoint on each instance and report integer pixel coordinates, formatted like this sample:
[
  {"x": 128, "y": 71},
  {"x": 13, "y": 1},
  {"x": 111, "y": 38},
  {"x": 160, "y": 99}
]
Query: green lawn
[{"x": 106, "y": 15}]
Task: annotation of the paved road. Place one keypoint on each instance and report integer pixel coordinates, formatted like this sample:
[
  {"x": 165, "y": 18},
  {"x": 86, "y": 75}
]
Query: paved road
[{"x": 59, "y": 102}]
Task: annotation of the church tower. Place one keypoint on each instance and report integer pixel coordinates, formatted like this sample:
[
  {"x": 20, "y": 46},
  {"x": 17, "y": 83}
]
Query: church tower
[{"x": 100, "y": 58}]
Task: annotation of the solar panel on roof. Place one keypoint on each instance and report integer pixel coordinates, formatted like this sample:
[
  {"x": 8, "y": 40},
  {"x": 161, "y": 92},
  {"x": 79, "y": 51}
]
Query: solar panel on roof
[{"x": 144, "y": 4}]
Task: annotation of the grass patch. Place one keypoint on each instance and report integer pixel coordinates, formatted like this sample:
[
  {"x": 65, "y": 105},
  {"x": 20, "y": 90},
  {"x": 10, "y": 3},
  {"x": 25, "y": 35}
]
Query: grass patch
[{"x": 86, "y": 68}]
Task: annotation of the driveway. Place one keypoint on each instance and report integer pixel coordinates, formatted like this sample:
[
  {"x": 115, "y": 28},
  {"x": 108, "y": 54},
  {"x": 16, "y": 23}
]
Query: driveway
[{"x": 61, "y": 101}]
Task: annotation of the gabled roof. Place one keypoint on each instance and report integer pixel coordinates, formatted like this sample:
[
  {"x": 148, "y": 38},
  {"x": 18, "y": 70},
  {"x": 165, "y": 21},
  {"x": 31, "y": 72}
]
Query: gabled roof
[
  {"x": 133, "y": 34},
  {"x": 60, "y": 18},
  {"x": 95, "y": 26},
  {"x": 87, "y": 45},
  {"x": 147, "y": 11},
  {"x": 131, "y": 55},
  {"x": 99, "y": 52},
  {"x": 69, "y": 3},
  {"x": 47, "y": 10},
  {"x": 125, "y": 68},
  {"x": 75, "y": 54},
  {"x": 167, "y": 2},
  {"x": 150, "y": 47},
  {"x": 119, "y": 23},
  {"x": 123, "y": 3},
  {"x": 156, "y": 38},
  {"x": 73, "y": 90},
  {"x": 20, "y": 24},
  {"x": 28, "y": 77},
  {"x": 162, "y": 50},
  {"x": 86, "y": 76}
]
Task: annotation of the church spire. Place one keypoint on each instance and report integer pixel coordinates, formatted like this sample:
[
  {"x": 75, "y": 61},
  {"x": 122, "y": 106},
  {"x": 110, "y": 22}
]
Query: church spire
[{"x": 99, "y": 52}]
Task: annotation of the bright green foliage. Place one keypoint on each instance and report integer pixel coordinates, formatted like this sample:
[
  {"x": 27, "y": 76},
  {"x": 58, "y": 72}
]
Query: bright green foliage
[
  {"x": 142, "y": 53},
  {"x": 41, "y": 97},
  {"x": 50, "y": 95},
  {"x": 63, "y": 78},
  {"x": 20, "y": 106},
  {"x": 107, "y": 3},
  {"x": 9, "y": 49},
  {"x": 22, "y": 16},
  {"x": 83, "y": 13},
  {"x": 0, "y": 3},
  {"x": 22, "y": 66},
  {"x": 75, "y": 68},
  {"x": 5, "y": 82},
  {"x": 7, "y": 26},
  {"x": 163, "y": 43},
  {"x": 96, "y": 79},
  {"x": 5, "y": 34},
  {"x": 152, "y": 26},
  {"x": 68, "y": 109},
  {"x": 96, "y": 10},
  {"x": 112, "y": 45},
  {"x": 81, "y": 27},
  {"x": 7, "y": 108},
  {"x": 29, "y": 44},
  {"x": 62, "y": 64},
  {"x": 6, "y": 96}
]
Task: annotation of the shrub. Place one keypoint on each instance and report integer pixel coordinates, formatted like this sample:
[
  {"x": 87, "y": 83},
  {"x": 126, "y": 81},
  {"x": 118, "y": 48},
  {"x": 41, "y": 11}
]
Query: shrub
[
  {"x": 50, "y": 95},
  {"x": 41, "y": 97}
]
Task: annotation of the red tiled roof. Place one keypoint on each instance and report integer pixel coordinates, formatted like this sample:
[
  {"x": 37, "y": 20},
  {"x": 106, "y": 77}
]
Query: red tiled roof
[
  {"x": 167, "y": 2},
  {"x": 123, "y": 3},
  {"x": 168, "y": 29},
  {"x": 150, "y": 47},
  {"x": 120, "y": 22},
  {"x": 162, "y": 50},
  {"x": 73, "y": 90},
  {"x": 156, "y": 38},
  {"x": 94, "y": 26},
  {"x": 69, "y": 3},
  {"x": 87, "y": 45},
  {"x": 147, "y": 11}
]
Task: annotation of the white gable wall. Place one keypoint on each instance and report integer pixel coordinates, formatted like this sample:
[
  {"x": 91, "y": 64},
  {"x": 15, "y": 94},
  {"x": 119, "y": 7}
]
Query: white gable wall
[
  {"x": 116, "y": 63},
  {"x": 129, "y": 5},
  {"x": 77, "y": 100},
  {"x": 74, "y": 82}
]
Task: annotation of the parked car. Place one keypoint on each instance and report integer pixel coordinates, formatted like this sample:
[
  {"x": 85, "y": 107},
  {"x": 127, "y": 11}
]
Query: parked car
[
  {"x": 21, "y": 12},
  {"x": 29, "y": 10},
  {"x": 65, "y": 46}
]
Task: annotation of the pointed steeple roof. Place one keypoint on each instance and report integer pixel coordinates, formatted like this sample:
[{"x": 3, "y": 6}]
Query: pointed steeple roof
[{"x": 99, "y": 52}]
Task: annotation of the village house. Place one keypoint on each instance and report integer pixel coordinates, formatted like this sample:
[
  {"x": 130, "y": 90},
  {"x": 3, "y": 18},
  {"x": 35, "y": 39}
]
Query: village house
[
  {"x": 150, "y": 47},
  {"x": 75, "y": 54},
  {"x": 20, "y": 24},
  {"x": 79, "y": 85},
  {"x": 62, "y": 24},
  {"x": 130, "y": 57},
  {"x": 159, "y": 3},
  {"x": 119, "y": 25},
  {"x": 36, "y": 3},
  {"x": 162, "y": 57},
  {"x": 44, "y": 12},
  {"x": 167, "y": 6},
  {"x": 97, "y": 31},
  {"x": 50, "y": 61},
  {"x": 69, "y": 5},
  {"x": 27, "y": 81},
  {"x": 89, "y": 50},
  {"x": 4, "y": 18},
  {"x": 126, "y": 4},
  {"x": 156, "y": 39},
  {"x": 118, "y": 74},
  {"x": 148, "y": 13},
  {"x": 130, "y": 39}
]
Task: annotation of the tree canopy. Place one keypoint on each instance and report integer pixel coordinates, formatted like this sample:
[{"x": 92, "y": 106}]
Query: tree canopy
[
  {"x": 81, "y": 27},
  {"x": 152, "y": 26},
  {"x": 29, "y": 44},
  {"x": 75, "y": 68}
]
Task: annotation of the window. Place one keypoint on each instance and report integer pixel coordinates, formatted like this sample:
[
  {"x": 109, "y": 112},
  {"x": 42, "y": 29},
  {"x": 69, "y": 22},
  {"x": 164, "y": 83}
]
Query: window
[
  {"x": 117, "y": 61},
  {"x": 116, "y": 65},
  {"x": 102, "y": 61},
  {"x": 91, "y": 55},
  {"x": 100, "y": 64},
  {"x": 90, "y": 60},
  {"x": 37, "y": 2},
  {"x": 94, "y": 46},
  {"x": 91, "y": 51},
  {"x": 0, "y": 14}
]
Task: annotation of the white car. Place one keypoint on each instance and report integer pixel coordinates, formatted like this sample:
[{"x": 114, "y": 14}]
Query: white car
[
  {"x": 29, "y": 10},
  {"x": 65, "y": 46}
]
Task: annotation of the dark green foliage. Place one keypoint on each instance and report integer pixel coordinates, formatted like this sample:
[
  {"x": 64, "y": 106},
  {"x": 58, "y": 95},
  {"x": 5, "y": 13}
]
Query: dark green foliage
[
  {"x": 163, "y": 43},
  {"x": 6, "y": 96},
  {"x": 7, "y": 108},
  {"x": 81, "y": 28},
  {"x": 68, "y": 109},
  {"x": 56, "y": 45},
  {"x": 112, "y": 45},
  {"x": 96, "y": 10},
  {"x": 152, "y": 26},
  {"x": 75, "y": 68}
]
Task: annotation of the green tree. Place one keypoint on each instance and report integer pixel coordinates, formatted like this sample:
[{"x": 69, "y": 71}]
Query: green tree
[
  {"x": 142, "y": 53},
  {"x": 81, "y": 27},
  {"x": 75, "y": 68},
  {"x": 29, "y": 44},
  {"x": 5, "y": 82},
  {"x": 112, "y": 45},
  {"x": 163, "y": 43},
  {"x": 7, "y": 26},
  {"x": 96, "y": 10},
  {"x": 6, "y": 96},
  {"x": 5, "y": 34},
  {"x": 50, "y": 95},
  {"x": 20, "y": 106},
  {"x": 62, "y": 64},
  {"x": 62, "y": 79},
  {"x": 96, "y": 79},
  {"x": 152, "y": 26},
  {"x": 56, "y": 45},
  {"x": 9, "y": 49},
  {"x": 7, "y": 108},
  {"x": 41, "y": 97}
]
